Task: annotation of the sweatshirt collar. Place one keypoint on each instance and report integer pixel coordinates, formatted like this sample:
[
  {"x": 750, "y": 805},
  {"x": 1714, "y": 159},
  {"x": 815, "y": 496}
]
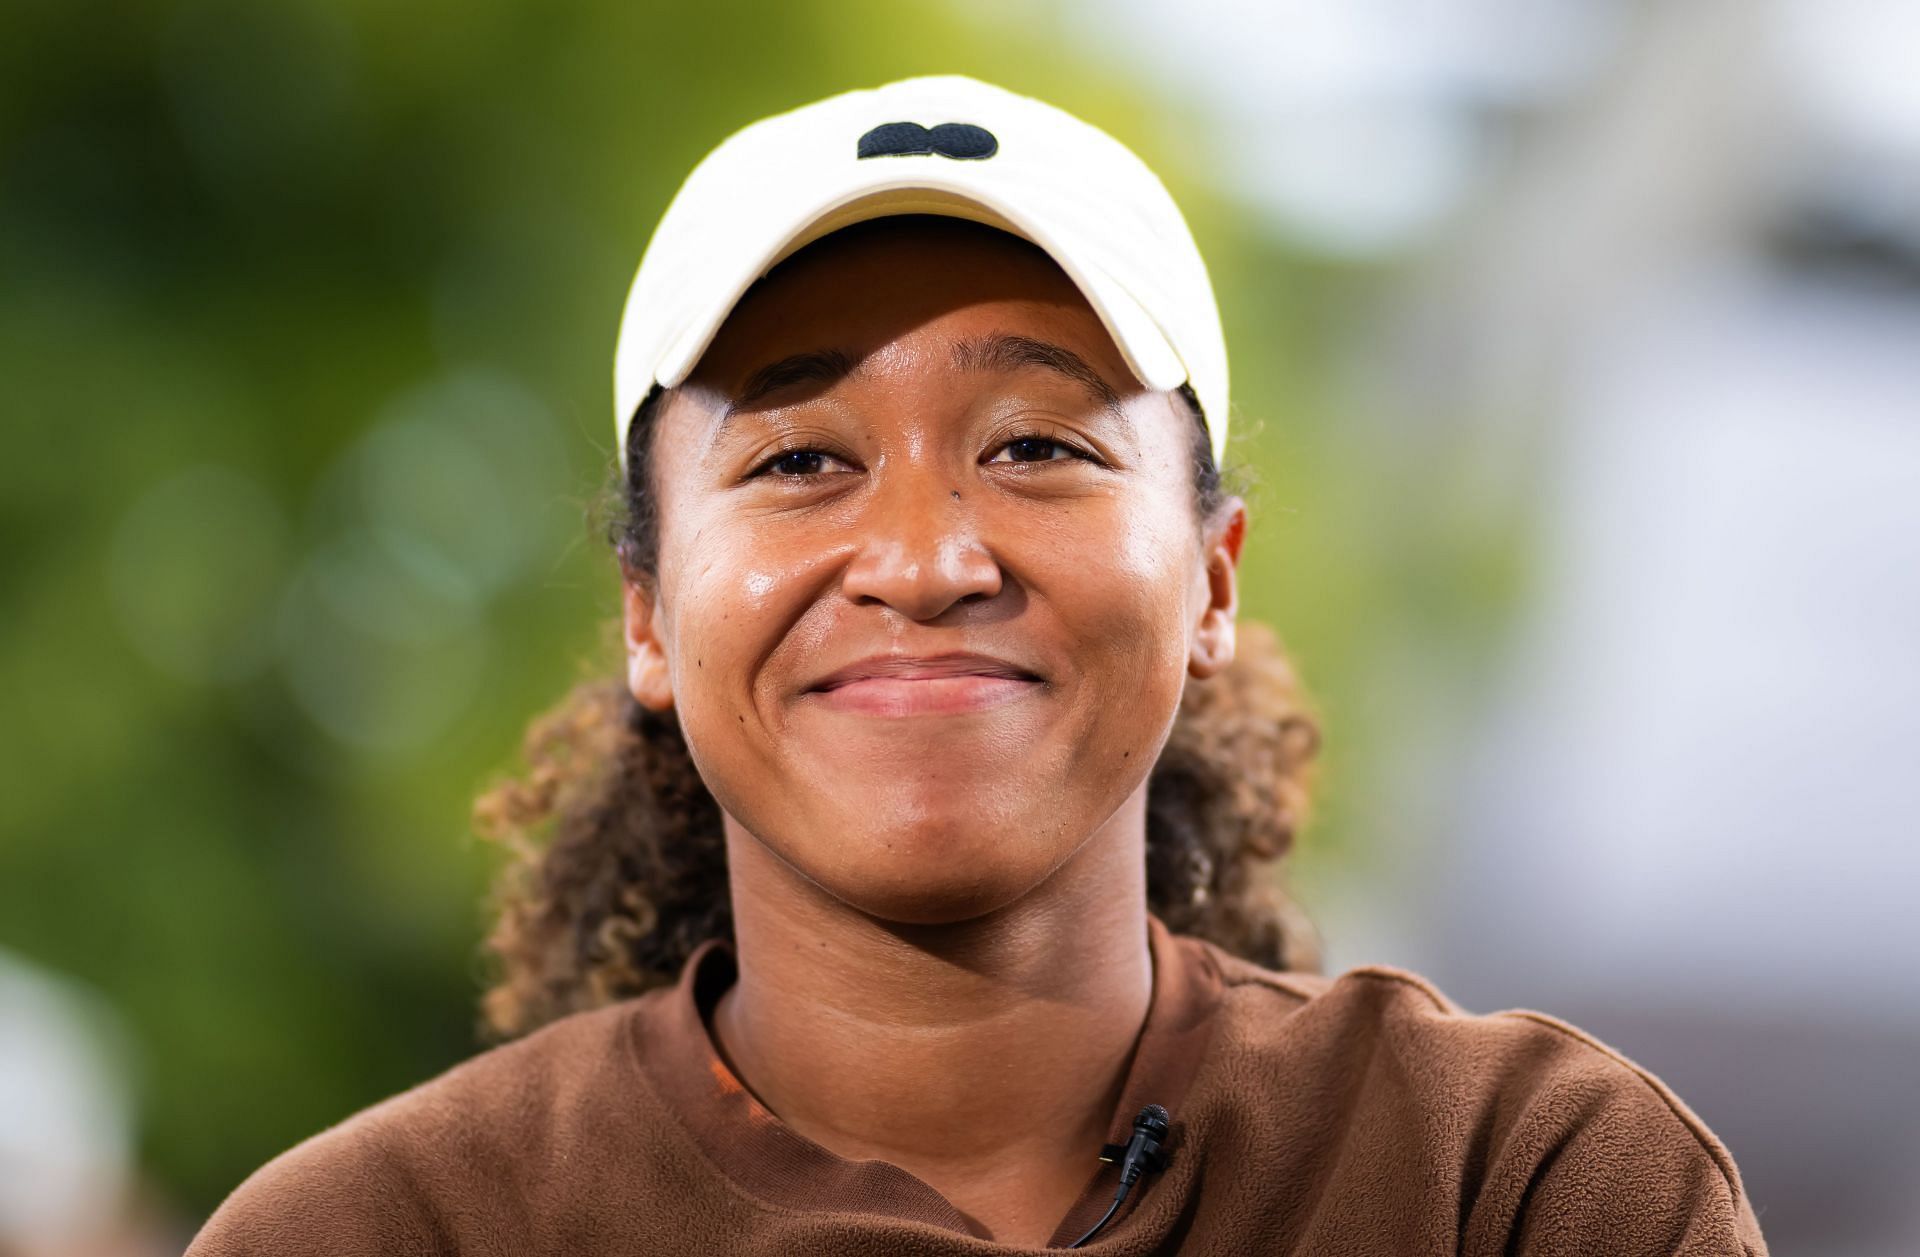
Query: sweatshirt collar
[{"x": 749, "y": 1144}]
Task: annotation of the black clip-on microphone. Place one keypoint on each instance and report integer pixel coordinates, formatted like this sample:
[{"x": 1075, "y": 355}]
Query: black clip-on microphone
[{"x": 1142, "y": 1152}]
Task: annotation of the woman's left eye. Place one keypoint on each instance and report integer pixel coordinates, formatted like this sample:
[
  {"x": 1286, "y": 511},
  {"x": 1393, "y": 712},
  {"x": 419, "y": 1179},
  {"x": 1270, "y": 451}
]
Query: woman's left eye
[{"x": 1035, "y": 449}]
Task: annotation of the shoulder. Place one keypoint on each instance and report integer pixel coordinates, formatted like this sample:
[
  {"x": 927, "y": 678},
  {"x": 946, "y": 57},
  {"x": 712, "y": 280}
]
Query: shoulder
[
  {"x": 1545, "y": 1110},
  {"x": 408, "y": 1174},
  {"x": 1517, "y": 1049},
  {"x": 1516, "y": 1052}
]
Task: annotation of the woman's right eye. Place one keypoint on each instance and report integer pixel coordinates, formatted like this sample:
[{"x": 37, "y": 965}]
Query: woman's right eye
[{"x": 796, "y": 464}]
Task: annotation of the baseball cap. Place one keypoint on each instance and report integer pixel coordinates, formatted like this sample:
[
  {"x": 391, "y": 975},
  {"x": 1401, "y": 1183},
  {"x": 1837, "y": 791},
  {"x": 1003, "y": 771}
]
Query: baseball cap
[{"x": 938, "y": 144}]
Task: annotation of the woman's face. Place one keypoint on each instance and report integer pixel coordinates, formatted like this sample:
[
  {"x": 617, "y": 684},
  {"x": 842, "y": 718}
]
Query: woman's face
[{"x": 930, "y": 577}]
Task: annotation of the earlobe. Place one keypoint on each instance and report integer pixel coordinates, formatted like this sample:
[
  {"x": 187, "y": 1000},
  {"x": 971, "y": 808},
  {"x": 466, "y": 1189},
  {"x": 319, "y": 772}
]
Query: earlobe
[
  {"x": 1214, "y": 638},
  {"x": 649, "y": 679}
]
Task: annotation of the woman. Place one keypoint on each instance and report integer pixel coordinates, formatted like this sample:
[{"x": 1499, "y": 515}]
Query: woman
[{"x": 906, "y": 893}]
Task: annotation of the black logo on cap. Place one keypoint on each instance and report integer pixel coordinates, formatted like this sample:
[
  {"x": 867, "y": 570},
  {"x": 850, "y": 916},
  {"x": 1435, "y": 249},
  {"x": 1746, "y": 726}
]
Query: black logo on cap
[{"x": 961, "y": 141}]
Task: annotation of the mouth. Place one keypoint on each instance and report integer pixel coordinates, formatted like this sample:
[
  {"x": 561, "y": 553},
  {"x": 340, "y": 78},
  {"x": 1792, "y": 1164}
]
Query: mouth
[{"x": 899, "y": 685}]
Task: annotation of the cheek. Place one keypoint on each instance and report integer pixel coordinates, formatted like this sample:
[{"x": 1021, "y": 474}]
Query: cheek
[
  {"x": 735, "y": 605},
  {"x": 716, "y": 606},
  {"x": 1130, "y": 583},
  {"x": 1120, "y": 586}
]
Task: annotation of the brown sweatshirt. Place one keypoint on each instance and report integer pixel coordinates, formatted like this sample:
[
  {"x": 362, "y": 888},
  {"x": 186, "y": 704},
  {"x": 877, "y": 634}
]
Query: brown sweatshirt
[{"x": 1349, "y": 1116}]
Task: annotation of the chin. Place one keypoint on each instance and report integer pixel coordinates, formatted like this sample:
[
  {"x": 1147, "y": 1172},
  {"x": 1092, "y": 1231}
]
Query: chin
[{"x": 935, "y": 870}]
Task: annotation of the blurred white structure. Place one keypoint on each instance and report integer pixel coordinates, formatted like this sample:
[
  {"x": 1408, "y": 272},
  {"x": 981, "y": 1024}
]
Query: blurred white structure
[{"x": 66, "y": 1137}]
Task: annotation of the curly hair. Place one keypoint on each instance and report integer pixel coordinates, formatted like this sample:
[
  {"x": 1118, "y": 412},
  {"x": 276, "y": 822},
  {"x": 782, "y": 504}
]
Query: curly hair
[{"x": 617, "y": 865}]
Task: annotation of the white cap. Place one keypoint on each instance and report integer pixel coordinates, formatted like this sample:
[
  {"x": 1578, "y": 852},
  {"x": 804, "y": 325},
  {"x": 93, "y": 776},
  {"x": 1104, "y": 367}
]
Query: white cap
[{"x": 942, "y": 144}]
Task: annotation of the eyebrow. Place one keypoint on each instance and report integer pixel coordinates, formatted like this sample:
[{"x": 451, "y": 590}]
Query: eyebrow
[
  {"x": 821, "y": 366},
  {"x": 995, "y": 352},
  {"x": 1003, "y": 352}
]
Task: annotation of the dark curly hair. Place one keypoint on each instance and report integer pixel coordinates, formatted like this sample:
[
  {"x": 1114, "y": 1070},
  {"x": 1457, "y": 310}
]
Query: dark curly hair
[{"x": 617, "y": 865}]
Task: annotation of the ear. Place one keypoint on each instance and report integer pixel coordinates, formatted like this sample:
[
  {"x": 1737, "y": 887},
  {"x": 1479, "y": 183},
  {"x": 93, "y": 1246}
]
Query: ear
[
  {"x": 1213, "y": 636},
  {"x": 648, "y": 677}
]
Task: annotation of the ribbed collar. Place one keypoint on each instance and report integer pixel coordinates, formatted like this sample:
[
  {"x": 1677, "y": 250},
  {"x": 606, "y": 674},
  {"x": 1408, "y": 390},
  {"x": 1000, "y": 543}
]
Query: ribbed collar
[{"x": 748, "y": 1143}]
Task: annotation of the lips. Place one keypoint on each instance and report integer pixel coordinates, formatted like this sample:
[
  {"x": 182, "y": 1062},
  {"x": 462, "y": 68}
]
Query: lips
[
  {"x": 923, "y": 685},
  {"x": 921, "y": 668}
]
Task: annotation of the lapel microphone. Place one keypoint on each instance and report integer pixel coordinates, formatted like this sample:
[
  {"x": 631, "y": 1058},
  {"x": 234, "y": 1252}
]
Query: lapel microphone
[{"x": 1141, "y": 1153}]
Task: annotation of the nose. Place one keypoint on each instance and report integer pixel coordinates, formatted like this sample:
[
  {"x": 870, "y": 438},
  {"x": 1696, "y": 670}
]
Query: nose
[{"x": 921, "y": 552}]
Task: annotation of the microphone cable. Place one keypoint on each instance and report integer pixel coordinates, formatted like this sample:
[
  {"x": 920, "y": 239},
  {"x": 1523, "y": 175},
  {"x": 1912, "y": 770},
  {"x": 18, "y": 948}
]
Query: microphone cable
[{"x": 1142, "y": 1152}]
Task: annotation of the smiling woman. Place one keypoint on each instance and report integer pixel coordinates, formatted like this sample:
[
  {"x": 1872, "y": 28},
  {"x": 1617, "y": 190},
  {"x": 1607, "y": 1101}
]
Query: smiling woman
[
  {"x": 911, "y": 890},
  {"x": 613, "y": 776}
]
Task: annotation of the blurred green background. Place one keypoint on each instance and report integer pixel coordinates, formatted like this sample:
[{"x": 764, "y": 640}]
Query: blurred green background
[{"x": 305, "y": 324}]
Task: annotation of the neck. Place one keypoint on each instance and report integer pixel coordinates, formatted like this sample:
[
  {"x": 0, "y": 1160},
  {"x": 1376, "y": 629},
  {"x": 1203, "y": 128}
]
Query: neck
[{"x": 987, "y": 1049}]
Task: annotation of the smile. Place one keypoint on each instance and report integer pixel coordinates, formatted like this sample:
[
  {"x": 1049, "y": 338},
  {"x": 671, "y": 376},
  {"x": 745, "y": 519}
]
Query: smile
[{"x": 945, "y": 684}]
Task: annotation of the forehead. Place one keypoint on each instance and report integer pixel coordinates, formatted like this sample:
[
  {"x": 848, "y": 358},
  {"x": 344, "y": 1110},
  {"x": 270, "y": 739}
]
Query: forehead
[{"x": 870, "y": 287}]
